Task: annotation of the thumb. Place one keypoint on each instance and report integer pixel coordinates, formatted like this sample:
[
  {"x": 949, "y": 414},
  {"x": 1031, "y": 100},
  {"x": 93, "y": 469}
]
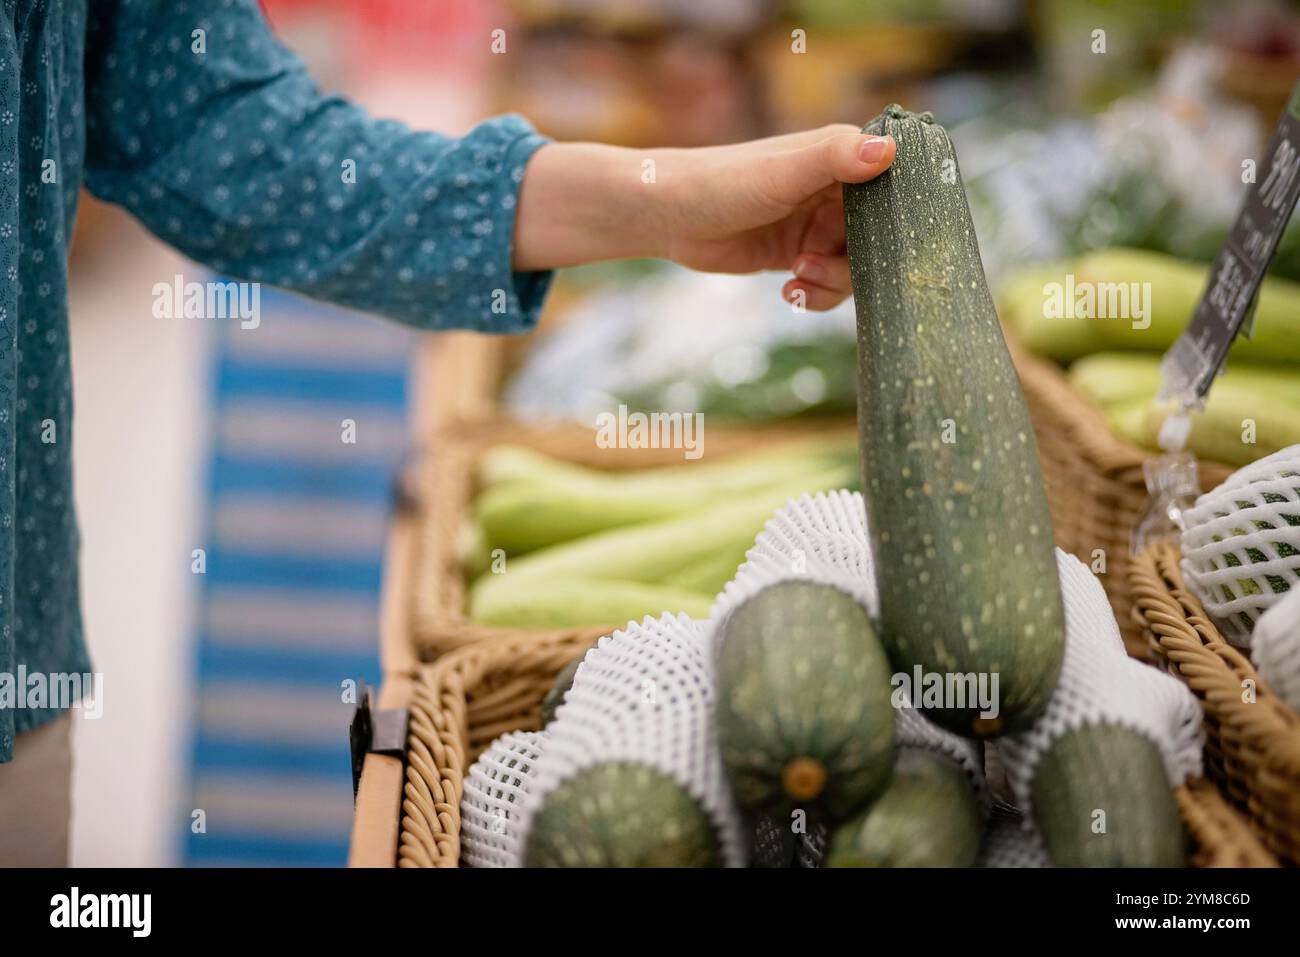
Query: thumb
[{"x": 842, "y": 158}]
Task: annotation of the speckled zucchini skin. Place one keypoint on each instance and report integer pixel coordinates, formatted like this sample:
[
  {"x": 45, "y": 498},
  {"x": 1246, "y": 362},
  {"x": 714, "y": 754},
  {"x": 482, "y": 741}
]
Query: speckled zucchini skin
[
  {"x": 955, "y": 499},
  {"x": 802, "y": 681},
  {"x": 929, "y": 816},
  {"x": 621, "y": 815},
  {"x": 563, "y": 682},
  {"x": 1118, "y": 771}
]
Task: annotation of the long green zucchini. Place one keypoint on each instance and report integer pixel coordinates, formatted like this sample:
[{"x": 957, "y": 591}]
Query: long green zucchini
[
  {"x": 929, "y": 816},
  {"x": 1101, "y": 798},
  {"x": 955, "y": 500}
]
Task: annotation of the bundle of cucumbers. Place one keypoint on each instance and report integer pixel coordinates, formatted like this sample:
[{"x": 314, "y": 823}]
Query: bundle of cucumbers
[
  {"x": 1109, "y": 316},
  {"x": 552, "y": 544}
]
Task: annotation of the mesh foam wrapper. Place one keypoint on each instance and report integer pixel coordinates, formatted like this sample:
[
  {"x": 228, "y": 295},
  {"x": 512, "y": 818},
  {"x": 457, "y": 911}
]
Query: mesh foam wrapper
[
  {"x": 643, "y": 695},
  {"x": 1009, "y": 842},
  {"x": 1275, "y": 648},
  {"x": 1100, "y": 684},
  {"x": 823, "y": 539},
  {"x": 1255, "y": 517},
  {"x": 812, "y": 846},
  {"x": 498, "y": 786}
]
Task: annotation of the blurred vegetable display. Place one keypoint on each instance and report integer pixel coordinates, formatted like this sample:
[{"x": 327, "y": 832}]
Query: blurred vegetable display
[
  {"x": 583, "y": 546},
  {"x": 1252, "y": 411},
  {"x": 677, "y": 341},
  {"x": 1133, "y": 300}
]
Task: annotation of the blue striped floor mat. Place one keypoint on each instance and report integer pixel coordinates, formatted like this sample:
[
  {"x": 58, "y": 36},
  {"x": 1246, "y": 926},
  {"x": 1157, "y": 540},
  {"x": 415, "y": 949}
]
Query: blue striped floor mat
[{"x": 288, "y": 605}]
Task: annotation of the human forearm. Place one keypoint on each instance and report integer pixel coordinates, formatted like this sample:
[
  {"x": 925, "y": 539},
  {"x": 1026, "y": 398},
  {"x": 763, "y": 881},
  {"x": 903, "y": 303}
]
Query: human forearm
[
  {"x": 587, "y": 202},
  {"x": 774, "y": 203}
]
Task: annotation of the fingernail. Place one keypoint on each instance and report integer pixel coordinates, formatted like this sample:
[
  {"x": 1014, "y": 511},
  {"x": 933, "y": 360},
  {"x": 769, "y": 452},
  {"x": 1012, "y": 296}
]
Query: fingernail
[
  {"x": 810, "y": 270},
  {"x": 872, "y": 148}
]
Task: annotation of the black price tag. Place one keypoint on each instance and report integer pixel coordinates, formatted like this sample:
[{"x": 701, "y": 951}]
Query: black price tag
[{"x": 1226, "y": 306}]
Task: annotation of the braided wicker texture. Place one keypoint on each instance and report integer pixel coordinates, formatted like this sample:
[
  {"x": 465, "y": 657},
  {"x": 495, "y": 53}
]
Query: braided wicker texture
[
  {"x": 471, "y": 695},
  {"x": 1252, "y": 748}
]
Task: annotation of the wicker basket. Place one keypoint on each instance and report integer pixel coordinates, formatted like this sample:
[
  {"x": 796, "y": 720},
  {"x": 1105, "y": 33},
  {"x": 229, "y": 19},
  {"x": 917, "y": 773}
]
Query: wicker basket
[
  {"x": 472, "y": 695},
  {"x": 1252, "y": 747},
  {"x": 1095, "y": 486},
  {"x": 438, "y": 601}
]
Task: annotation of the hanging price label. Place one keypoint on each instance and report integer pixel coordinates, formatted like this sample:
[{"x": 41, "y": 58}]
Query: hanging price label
[{"x": 1226, "y": 306}]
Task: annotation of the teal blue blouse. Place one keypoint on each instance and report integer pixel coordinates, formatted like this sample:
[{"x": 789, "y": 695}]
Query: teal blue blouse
[{"x": 192, "y": 116}]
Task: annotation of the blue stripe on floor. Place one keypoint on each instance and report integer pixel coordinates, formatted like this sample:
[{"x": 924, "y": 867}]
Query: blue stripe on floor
[
  {"x": 255, "y": 747},
  {"x": 361, "y": 482},
  {"x": 291, "y": 667}
]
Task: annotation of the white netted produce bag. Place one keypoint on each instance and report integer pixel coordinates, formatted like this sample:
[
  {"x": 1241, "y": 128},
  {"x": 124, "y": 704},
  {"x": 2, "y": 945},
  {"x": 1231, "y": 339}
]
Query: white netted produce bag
[
  {"x": 817, "y": 538},
  {"x": 1100, "y": 684},
  {"x": 1011, "y": 842},
  {"x": 1241, "y": 543},
  {"x": 1275, "y": 648},
  {"x": 643, "y": 695},
  {"x": 496, "y": 790},
  {"x": 812, "y": 846}
]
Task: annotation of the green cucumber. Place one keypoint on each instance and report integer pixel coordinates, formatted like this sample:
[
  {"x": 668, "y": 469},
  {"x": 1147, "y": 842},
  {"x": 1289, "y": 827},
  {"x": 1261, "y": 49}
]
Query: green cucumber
[
  {"x": 1101, "y": 798},
  {"x": 956, "y": 506},
  {"x": 929, "y": 816},
  {"x": 803, "y": 717},
  {"x": 621, "y": 815}
]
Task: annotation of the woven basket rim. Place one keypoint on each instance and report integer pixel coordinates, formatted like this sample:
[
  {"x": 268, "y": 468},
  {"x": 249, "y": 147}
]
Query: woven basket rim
[
  {"x": 441, "y": 751},
  {"x": 1257, "y": 743}
]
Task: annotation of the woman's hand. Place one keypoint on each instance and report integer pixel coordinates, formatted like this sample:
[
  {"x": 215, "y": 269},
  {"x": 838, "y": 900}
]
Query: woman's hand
[{"x": 769, "y": 204}]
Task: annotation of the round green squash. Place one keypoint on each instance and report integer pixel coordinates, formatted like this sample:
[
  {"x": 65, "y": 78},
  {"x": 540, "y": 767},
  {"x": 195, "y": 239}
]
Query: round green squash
[
  {"x": 929, "y": 816},
  {"x": 804, "y": 718},
  {"x": 621, "y": 815}
]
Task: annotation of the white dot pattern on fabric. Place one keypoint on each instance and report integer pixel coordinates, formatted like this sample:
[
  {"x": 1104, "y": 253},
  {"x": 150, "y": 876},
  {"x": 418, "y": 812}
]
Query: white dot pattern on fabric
[
  {"x": 1241, "y": 543},
  {"x": 643, "y": 695},
  {"x": 1101, "y": 685},
  {"x": 232, "y": 155},
  {"x": 496, "y": 790}
]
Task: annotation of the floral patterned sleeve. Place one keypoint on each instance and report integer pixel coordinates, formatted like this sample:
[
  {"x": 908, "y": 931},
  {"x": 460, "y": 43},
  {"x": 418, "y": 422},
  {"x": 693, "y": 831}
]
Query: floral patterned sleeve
[{"x": 220, "y": 143}]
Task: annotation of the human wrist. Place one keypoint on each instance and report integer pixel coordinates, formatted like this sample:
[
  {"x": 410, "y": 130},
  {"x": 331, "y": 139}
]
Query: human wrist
[{"x": 588, "y": 202}]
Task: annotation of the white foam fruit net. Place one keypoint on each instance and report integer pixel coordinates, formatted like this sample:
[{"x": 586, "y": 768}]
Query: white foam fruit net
[
  {"x": 1100, "y": 684},
  {"x": 1241, "y": 543},
  {"x": 818, "y": 538},
  {"x": 643, "y": 695},
  {"x": 1275, "y": 648},
  {"x": 496, "y": 789},
  {"x": 1010, "y": 842}
]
